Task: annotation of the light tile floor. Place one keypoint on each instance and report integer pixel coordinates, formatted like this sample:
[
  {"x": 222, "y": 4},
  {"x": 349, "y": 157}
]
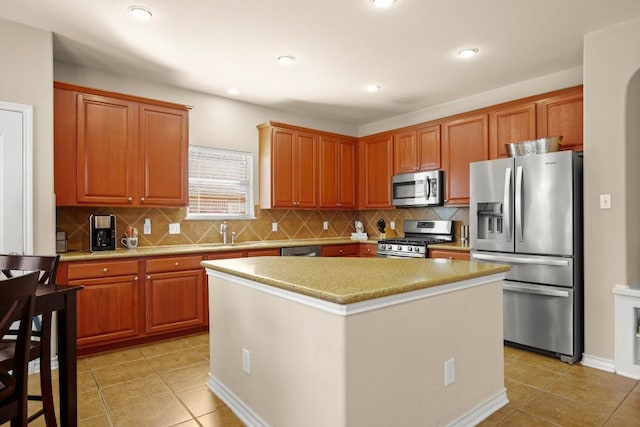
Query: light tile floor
[{"x": 164, "y": 384}]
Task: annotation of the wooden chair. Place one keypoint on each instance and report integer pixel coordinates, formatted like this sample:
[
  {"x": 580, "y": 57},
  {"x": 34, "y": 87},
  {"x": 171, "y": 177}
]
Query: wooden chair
[
  {"x": 40, "y": 347},
  {"x": 16, "y": 303}
]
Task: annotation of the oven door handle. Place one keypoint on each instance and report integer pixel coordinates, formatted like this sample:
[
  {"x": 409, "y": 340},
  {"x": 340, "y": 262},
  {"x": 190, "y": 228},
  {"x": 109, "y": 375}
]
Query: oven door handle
[{"x": 535, "y": 290}]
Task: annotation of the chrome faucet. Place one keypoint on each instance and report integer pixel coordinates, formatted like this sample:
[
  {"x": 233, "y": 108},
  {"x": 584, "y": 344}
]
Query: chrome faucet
[{"x": 223, "y": 231}]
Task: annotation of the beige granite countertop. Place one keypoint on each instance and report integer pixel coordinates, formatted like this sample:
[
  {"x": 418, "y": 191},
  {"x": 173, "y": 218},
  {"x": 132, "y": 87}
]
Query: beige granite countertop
[
  {"x": 350, "y": 280},
  {"x": 145, "y": 251}
]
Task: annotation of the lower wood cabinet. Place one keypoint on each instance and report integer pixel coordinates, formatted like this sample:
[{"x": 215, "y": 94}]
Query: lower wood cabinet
[
  {"x": 349, "y": 249},
  {"x": 443, "y": 253},
  {"x": 109, "y": 305},
  {"x": 174, "y": 294}
]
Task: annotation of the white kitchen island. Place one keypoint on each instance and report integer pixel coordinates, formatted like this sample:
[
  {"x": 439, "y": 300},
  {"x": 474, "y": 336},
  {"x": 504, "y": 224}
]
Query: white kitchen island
[{"x": 356, "y": 341}]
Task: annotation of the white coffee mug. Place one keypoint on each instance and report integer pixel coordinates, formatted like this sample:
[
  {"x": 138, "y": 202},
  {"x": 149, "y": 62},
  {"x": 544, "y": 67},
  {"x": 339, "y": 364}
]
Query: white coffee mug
[{"x": 129, "y": 242}]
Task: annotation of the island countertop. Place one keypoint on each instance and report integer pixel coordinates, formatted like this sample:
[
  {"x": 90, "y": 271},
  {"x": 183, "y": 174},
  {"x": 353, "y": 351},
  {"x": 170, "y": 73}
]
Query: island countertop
[{"x": 351, "y": 280}]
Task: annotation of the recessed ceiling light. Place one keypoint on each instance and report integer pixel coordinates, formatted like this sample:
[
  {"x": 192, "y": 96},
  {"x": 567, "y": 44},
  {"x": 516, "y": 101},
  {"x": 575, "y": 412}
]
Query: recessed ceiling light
[
  {"x": 382, "y": 4},
  {"x": 286, "y": 59},
  {"x": 467, "y": 53},
  {"x": 233, "y": 91},
  {"x": 141, "y": 13},
  {"x": 373, "y": 88}
]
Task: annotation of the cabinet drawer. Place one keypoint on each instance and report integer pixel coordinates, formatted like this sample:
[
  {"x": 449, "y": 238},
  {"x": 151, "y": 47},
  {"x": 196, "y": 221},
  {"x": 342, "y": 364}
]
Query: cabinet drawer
[
  {"x": 368, "y": 250},
  {"x": 101, "y": 269},
  {"x": 441, "y": 253},
  {"x": 341, "y": 250},
  {"x": 173, "y": 264}
]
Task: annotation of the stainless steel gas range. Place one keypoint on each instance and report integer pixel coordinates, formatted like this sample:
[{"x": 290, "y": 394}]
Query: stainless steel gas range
[{"x": 418, "y": 235}]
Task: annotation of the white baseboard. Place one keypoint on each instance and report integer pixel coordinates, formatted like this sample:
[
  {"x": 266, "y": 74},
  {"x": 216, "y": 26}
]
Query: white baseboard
[
  {"x": 482, "y": 411},
  {"x": 598, "y": 363},
  {"x": 251, "y": 419},
  {"x": 242, "y": 411}
]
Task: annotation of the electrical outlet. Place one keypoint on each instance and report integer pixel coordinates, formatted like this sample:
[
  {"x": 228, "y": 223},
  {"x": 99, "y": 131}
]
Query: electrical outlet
[
  {"x": 274, "y": 226},
  {"x": 246, "y": 361},
  {"x": 605, "y": 201},
  {"x": 325, "y": 225},
  {"x": 174, "y": 228},
  {"x": 392, "y": 224},
  {"x": 449, "y": 371}
]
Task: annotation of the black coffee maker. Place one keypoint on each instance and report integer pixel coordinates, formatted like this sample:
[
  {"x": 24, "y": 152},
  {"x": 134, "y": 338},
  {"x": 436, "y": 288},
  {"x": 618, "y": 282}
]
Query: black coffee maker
[{"x": 102, "y": 232}]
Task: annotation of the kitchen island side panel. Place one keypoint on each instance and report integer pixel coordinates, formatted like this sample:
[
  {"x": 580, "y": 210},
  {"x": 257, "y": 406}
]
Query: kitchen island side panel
[{"x": 312, "y": 367}]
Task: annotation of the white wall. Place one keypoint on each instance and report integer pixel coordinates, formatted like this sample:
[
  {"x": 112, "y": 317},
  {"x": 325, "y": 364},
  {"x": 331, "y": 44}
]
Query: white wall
[
  {"x": 25, "y": 78},
  {"x": 612, "y": 156}
]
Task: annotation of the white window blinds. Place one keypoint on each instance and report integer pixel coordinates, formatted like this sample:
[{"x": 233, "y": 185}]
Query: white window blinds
[{"x": 220, "y": 184}]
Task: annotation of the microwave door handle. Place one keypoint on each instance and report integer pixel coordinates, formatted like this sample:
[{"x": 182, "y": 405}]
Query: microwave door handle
[
  {"x": 428, "y": 187},
  {"x": 507, "y": 204},
  {"x": 518, "y": 206}
]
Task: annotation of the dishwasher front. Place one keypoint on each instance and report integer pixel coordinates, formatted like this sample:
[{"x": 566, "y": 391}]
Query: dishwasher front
[{"x": 301, "y": 251}]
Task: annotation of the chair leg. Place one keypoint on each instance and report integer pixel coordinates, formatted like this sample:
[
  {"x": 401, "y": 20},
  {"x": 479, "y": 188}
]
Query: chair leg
[{"x": 46, "y": 386}]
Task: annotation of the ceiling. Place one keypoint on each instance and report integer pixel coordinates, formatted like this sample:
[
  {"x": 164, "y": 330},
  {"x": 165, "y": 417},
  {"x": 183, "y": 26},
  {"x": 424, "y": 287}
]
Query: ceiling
[{"x": 340, "y": 46}]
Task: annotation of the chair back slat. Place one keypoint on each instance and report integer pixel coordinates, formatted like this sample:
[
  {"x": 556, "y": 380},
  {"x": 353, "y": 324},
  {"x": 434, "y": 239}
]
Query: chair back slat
[
  {"x": 47, "y": 266},
  {"x": 16, "y": 303}
]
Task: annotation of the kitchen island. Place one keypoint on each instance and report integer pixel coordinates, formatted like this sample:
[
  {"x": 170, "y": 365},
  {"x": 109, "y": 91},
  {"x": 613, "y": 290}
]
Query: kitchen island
[{"x": 356, "y": 341}]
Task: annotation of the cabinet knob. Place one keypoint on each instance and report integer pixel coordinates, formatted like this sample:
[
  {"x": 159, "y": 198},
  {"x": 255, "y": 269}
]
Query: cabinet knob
[
  {"x": 340, "y": 251},
  {"x": 135, "y": 279},
  {"x": 142, "y": 199},
  {"x": 176, "y": 263},
  {"x": 148, "y": 277},
  {"x": 130, "y": 199},
  {"x": 104, "y": 270}
]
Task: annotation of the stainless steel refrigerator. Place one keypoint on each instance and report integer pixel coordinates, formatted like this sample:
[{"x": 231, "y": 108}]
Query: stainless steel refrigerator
[{"x": 526, "y": 211}]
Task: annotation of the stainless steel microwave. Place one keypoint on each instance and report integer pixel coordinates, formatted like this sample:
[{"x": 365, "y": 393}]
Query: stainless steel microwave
[{"x": 417, "y": 189}]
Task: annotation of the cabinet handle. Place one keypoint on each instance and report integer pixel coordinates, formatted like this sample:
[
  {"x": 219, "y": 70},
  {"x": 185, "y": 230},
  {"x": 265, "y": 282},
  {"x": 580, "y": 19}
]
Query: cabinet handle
[{"x": 105, "y": 269}]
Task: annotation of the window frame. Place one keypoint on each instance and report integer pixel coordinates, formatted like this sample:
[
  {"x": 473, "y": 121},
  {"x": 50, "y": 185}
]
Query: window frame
[{"x": 249, "y": 157}]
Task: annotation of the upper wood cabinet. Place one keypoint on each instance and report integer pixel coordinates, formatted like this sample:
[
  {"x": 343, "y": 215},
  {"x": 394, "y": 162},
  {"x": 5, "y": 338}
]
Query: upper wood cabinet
[
  {"x": 416, "y": 149},
  {"x": 337, "y": 173},
  {"x": 464, "y": 140},
  {"x": 288, "y": 167},
  {"x": 511, "y": 123},
  {"x": 562, "y": 115},
  {"x": 303, "y": 169},
  {"x": 375, "y": 154},
  {"x": 118, "y": 150}
]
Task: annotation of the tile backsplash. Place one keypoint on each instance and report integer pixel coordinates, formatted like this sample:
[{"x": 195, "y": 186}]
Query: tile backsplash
[{"x": 292, "y": 224}]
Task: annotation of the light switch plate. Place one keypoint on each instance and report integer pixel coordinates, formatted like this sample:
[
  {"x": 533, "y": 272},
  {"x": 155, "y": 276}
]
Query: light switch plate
[
  {"x": 274, "y": 226},
  {"x": 174, "y": 228}
]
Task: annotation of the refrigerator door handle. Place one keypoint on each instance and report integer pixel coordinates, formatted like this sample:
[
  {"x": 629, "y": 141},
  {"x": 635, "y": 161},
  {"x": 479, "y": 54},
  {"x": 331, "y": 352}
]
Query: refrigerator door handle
[
  {"x": 518, "y": 204},
  {"x": 535, "y": 290},
  {"x": 521, "y": 260},
  {"x": 506, "y": 203}
]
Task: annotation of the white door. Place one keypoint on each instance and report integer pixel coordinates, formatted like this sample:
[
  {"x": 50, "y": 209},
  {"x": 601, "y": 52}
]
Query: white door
[{"x": 16, "y": 184}]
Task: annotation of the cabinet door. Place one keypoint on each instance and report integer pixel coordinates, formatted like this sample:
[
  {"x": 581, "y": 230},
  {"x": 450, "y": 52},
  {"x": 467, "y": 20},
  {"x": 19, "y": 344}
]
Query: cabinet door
[
  {"x": 511, "y": 124},
  {"x": 405, "y": 152},
  {"x": 376, "y": 169},
  {"x": 108, "y": 310},
  {"x": 282, "y": 173},
  {"x": 428, "y": 142},
  {"x": 347, "y": 158},
  {"x": 174, "y": 301},
  {"x": 465, "y": 140},
  {"x": 106, "y": 157},
  {"x": 164, "y": 145},
  {"x": 336, "y": 173},
  {"x": 305, "y": 165},
  {"x": 563, "y": 115},
  {"x": 328, "y": 171}
]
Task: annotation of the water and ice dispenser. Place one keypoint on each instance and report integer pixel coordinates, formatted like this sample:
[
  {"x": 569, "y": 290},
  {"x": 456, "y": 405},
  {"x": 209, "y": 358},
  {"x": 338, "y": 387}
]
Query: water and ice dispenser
[{"x": 490, "y": 220}]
